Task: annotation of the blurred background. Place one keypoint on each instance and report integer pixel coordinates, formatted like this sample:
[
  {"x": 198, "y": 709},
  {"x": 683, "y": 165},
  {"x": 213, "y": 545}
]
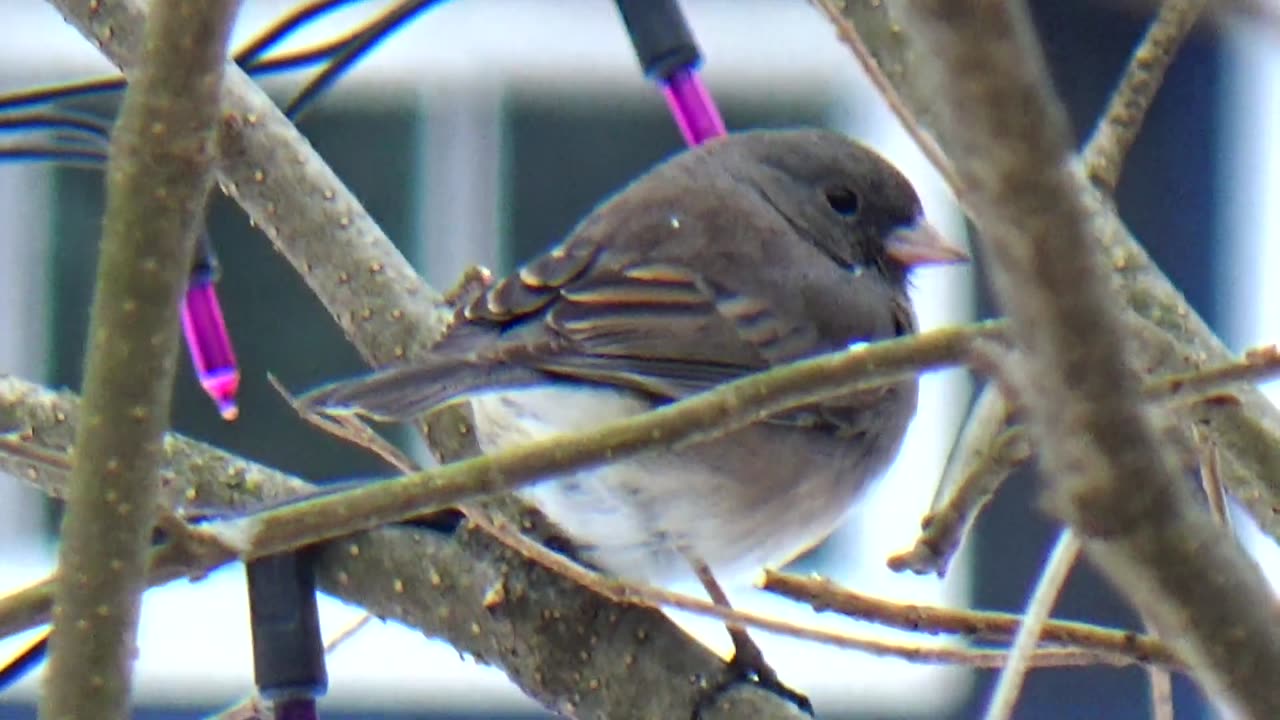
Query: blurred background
[{"x": 479, "y": 133}]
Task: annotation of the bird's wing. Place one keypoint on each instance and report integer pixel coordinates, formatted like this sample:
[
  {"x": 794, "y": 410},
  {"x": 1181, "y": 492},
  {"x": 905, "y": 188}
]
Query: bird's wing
[
  {"x": 658, "y": 327},
  {"x": 654, "y": 327}
]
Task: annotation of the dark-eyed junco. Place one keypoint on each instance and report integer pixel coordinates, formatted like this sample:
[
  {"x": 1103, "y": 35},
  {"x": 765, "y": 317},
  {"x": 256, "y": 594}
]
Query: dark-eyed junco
[{"x": 744, "y": 253}]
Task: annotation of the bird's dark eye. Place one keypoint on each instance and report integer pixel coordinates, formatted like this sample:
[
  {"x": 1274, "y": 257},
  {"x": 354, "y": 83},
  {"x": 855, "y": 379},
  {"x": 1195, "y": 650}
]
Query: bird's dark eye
[{"x": 843, "y": 201}]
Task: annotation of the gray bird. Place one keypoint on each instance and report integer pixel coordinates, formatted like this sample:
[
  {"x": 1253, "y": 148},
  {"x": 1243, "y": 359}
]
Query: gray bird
[{"x": 744, "y": 253}]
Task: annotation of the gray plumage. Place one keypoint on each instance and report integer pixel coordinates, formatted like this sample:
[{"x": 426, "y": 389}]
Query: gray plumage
[{"x": 747, "y": 252}]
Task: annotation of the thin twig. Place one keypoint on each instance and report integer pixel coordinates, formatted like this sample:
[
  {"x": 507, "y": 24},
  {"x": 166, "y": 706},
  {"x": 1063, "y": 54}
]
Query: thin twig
[
  {"x": 699, "y": 417},
  {"x": 944, "y": 528},
  {"x": 1061, "y": 559},
  {"x": 348, "y": 429},
  {"x": 990, "y": 448},
  {"x": 977, "y": 625},
  {"x": 1160, "y": 682},
  {"x": 1211, "y": 477},
  {"x": 623, "y": 591},
  {"x": 253, "y": 706},
  {"x": 1118, "y": 127},
  {"x": 347, "y": 633},
  {"x": 1256, "y": 364},
  {"x": 848, "y": 34},
  {"x": 26, "y": 607}
]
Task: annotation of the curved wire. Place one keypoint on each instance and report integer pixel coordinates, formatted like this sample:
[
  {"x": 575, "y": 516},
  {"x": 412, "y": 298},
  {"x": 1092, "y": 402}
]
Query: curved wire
[
  {"x": 283, "y": 28},
  {"x": 88, "y": 126},
  {"x": 372, "y": 34},
  {"x": 250, "y": 58},
  {"x": 20, "y": 665},
  {"x": 36, "y": 152}
]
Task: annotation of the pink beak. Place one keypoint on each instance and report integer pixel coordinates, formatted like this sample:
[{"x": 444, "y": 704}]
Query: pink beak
[{"x": 921, "y": 244}]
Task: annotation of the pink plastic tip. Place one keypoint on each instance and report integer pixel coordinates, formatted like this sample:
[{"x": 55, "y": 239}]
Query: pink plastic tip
[
  {"x": 229, "y": 410},
  {"x": 223, "y": 386},
  {"x": 691, "y": 105},
  {"x": 210, "y": 346}
]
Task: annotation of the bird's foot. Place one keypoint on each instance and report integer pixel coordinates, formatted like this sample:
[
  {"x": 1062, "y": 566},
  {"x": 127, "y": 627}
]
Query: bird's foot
[{"x": 748, "y": 665}]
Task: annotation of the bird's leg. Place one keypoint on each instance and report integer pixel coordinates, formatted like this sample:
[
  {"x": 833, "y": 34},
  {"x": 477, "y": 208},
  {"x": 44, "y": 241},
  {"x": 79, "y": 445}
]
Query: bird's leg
[
  {"x": 748, "y": 660},
  {"x": 747, "y": 657}
]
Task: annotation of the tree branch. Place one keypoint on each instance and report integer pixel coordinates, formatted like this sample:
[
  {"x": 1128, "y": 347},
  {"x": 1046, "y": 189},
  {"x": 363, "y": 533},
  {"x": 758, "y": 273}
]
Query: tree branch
[
  {"x": 390, "y": 315},
  {"x": 1172, "y": 337},
  {"x": 1108, "y": 476},
  {"x": 236, "y": 479},
  {"x": 977, "y": 625},
  {"x": 1054, "y": 576},
  {"x": 436, "y": 582},
  {"x": 694, "y": 419},
  {"x": 289, "y": 192},
  {"x": 158, "y": 175},
  {"x": 991, "y": 445},
  {"x": 1118, "y": 127}
]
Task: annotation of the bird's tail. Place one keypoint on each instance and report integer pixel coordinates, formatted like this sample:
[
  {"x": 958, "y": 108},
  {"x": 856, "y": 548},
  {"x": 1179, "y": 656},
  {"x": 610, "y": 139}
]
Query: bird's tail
[{"x": 403, "y": 393}]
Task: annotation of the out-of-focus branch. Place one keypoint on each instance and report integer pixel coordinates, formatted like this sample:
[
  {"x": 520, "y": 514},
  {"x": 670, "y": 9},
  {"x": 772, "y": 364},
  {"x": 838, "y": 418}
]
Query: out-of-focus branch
[
  {"x": 991, "y": 446},
  {"x": 880, "y": 77},
  {"x": 1108, "y": 475},
  {"x": 158, "y": 173},
  {"x": 1118, "y": 127},
  {"x": 988, "y": 449},
  {"x": 1248, "y": 430},
  {"x": 1054, "y": 576}
]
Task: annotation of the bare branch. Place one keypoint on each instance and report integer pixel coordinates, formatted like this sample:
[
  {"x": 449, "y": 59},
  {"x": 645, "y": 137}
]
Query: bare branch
[
  {"x": 700, "y": 417},
  {"x": 1061, "y": 559},
  {"x": 872, "y": 13},
  {"x": 978, "y": 625},
  {"x": 1118, "y": 127},
  {"x": 158, "y": 175},
  {"x": 436, "y": 582},
  {"x": 623, "y": 591},
  {"x": 1171, "y": 338},
  {"x": 289, "y": 192},
  {"x": 1108, "y": 476},
  {"x": 991, "y": 446},
  {"x": 1211, "y": 478},
  {"x": 390, "y": 314}
]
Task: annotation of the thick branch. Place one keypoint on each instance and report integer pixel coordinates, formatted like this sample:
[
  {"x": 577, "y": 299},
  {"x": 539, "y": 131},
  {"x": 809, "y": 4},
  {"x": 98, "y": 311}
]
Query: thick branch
[
  {"x": 1108, "y": 476},
  {"x": 442, "y": 584},
  {"x": 237, "y": 481},
  {"x": 157, "y": 177}
]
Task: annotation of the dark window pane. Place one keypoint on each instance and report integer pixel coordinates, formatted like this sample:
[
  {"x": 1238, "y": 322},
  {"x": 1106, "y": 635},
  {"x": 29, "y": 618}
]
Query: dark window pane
[{"x": 277, "y": 326}]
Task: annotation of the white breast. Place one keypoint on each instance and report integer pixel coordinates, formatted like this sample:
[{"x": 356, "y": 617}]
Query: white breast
[{"x": 639, "y": 517}]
